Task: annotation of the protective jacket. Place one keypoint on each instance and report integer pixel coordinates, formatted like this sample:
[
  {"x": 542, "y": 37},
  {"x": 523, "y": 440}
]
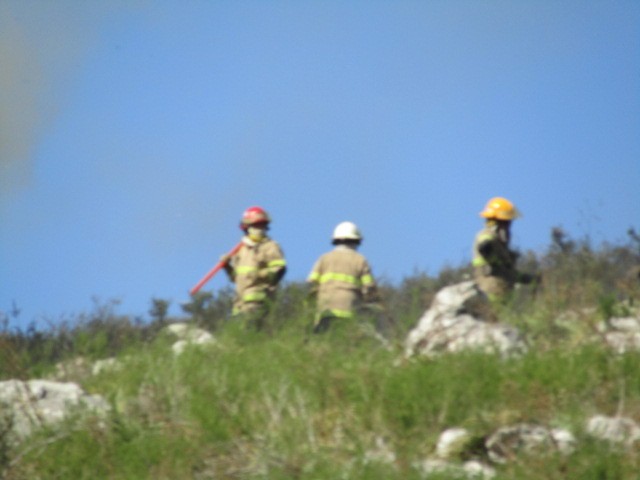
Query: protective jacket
[
  {"x": 256, "y": 271},
  {"x": 494, "y": 263},
  {"x": 343, "y": 282}
]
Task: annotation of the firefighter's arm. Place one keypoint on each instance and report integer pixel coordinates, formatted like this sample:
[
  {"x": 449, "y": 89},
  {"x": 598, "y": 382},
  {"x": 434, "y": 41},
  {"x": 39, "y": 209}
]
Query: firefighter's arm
[
  {"x": 312, "y": 290},
  {"x": 489, "y": 249},
  {"x": 274, "y": 267},
  {"x": 370, "y": 293},
  {"x": 273, "y": 272},
  {"x": 371, "y": 296},
  {"x": 313, "y": 281},
  {"x": 228, "y": 267},
  {"x": 496, "y": 254}
]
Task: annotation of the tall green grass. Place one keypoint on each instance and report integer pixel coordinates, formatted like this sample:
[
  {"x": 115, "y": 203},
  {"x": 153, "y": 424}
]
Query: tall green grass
[
  {"x": 261, "y": 407},
  {"x": 285, "y": 404}
]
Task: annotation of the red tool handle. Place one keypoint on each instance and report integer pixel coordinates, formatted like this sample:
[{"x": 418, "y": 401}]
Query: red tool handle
[{"x": 214, "y": 270}]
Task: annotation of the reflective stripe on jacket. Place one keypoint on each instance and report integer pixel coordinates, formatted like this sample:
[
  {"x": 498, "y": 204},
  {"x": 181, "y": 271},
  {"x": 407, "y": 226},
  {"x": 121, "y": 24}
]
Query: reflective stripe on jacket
[
  {"x": 494, "y": 272},
  {"x": 256, "y": 270},
  {"x": 344, "y": 281}
]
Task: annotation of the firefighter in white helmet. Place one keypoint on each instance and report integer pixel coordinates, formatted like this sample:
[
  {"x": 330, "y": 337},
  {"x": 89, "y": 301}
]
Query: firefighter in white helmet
[
  {"x": 341, "y": 279},
  {"x": 494, "y": 262},
  {"x": 256, "y": 269}
]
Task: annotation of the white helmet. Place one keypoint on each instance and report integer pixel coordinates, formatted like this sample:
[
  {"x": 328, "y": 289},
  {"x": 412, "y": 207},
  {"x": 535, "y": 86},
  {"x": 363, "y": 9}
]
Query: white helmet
[{"x": 347, "y": 231}]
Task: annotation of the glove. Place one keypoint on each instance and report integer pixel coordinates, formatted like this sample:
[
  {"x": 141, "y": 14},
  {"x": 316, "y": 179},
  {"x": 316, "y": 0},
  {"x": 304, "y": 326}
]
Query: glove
[{"x": 228, "y": 268}]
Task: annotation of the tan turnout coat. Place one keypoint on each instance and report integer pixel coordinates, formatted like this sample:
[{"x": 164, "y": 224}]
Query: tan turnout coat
[
  {"x": 343, "y": 281},
  {"x": 256, "y": 270},
  {"x": 496, "y": 273}
]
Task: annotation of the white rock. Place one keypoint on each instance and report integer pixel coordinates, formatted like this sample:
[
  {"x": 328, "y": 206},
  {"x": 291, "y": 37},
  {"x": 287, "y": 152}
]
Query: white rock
[
  {"x": 188, "y": 335},
  {"x": 178, "y": 329},
  {"x": 507, "y": 442},
  {"x": 35, "y": 403},
  {"x": 453, "y": 323},
  {"x": 564, "y": 440},
  {"x": 451, "y": 442},
  {"x": 614, "y": 429},
  {"x": 106, "y": 365},
  {"x": 476, "y": 469},
  {"x": 624, "y": 324},
  {"x": 72, "y": 369},
  {"x": 622, "y": 342}
]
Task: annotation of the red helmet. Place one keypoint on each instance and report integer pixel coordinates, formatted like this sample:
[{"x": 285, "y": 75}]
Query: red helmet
[{"x": 253, "y": 215}]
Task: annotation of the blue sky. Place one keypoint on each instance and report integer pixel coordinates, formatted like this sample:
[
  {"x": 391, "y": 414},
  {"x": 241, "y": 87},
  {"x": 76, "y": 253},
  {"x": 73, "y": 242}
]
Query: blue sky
[{"x": 134, "y": 134}]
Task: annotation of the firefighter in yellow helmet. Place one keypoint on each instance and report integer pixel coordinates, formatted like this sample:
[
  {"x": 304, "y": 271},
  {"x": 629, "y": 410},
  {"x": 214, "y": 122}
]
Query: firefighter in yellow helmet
[
  {"x": 256, "y": 269},
  {"x": 494, "y": 263},
  {"x": 341, "y": 279}
]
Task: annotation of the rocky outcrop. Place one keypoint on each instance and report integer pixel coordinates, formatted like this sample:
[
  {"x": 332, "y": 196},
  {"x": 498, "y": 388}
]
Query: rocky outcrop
[
  {"x": 460, "y": 318},
  {"x": 79, "y": 369},
  {"x": 452, "y": 443},
  {"x": 508, "y": 442},
  {"x": 621, "y": 334},
  {"x": 620, "y": 430},
  {"x": 460, "y": 454},
  {"x": 188, "y": 335},
  {"x": 28, "y": 405}
]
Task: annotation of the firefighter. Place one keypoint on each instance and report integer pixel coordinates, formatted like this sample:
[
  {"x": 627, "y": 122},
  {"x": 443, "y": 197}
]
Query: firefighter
[
  {"x": 494, "y": 263},
  {"x": 341, "y": 279},
  {"x": 256, "y": 269}
]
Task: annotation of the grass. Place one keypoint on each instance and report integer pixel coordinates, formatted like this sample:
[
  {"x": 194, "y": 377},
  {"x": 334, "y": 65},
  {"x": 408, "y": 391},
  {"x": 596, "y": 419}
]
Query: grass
[
  {"x": 287, "y": 405},
  {"x": 267, "y": 407}
]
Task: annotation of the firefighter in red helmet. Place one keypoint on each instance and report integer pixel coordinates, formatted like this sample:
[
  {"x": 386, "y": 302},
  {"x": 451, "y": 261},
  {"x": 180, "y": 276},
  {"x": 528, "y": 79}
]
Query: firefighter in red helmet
[{"x": 256, "y": 269}]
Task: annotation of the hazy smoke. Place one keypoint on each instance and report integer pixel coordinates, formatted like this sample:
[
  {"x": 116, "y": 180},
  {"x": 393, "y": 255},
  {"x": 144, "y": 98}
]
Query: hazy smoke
[
  {"x": 21, "y": 89},
  {"x": 41, "y": 45}
]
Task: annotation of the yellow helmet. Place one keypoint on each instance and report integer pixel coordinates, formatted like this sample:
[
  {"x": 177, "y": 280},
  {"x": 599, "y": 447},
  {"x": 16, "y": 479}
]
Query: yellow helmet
[{"x": 500, "y": 208}]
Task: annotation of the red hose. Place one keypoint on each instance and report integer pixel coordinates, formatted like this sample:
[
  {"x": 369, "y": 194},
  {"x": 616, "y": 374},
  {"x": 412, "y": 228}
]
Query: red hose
[{"x": 214, "y": 270}]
